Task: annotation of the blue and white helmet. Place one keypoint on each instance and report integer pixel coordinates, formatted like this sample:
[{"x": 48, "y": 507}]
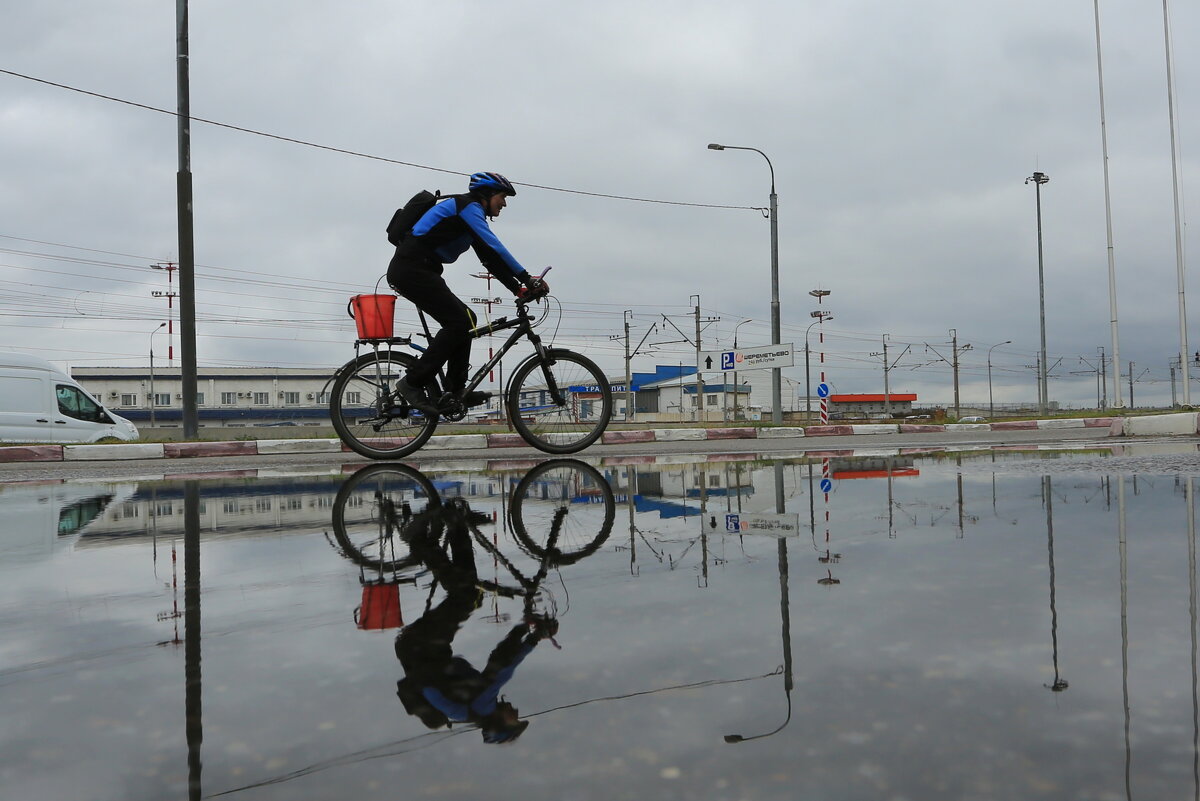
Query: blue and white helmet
[{"x": 491, "y": 182}]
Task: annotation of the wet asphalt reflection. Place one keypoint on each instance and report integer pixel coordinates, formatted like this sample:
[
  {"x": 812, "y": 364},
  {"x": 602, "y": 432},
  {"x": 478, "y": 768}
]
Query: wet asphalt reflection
[{"x": 937, "y": 626}]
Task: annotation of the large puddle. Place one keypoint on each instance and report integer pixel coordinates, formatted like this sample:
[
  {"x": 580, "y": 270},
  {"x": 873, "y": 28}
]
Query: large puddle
[{"x": 937, "y": 626}]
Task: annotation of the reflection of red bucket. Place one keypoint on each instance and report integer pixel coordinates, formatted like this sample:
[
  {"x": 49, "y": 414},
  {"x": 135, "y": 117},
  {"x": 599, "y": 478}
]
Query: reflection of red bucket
[
  {"x": 380, "y": 608},
  {"x": 373, "y": 315}
]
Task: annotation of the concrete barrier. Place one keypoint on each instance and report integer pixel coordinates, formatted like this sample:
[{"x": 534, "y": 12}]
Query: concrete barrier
[
  {"x": 678, "y": 434},
  {"x": 31, "y": 453},
  {"x": 875, "y": 428},
  {"x": 782, "y": 432},
  {"x": 1055, "y": 424},
  {"x": 298, "y": 446},
  {"x": 1160, "y": 425},
  {"x": 102, "y": 453},
  {"x": 455, "y": 442},
  {"x": 967, "y": 426}
]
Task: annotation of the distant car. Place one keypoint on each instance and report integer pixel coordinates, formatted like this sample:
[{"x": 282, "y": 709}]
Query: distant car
[
  {"x": 971, "y": 418},
  {"x": 280, "y": 423},
  {"x": 920, "y": 417}
]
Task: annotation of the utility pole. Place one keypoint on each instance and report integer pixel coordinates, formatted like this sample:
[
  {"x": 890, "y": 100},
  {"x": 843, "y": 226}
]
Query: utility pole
[
  {"x": 699, "y": 373},
  {"x": 887, "y": 393},
  {"x": 187, "y": 256},
  {"x": 1131, "y": 385},
  {"x": 628, "y": 377},
  {"x": 956, "y": 351},
  {"x": 630, "y": 402},
  {"x": 1103, "y": 382}
]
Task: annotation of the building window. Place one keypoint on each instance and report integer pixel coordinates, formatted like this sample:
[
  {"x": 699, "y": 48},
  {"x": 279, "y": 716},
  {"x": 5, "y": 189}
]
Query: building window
[
  {"x": 199, "y": 398},
  {"x": 162, "y": 398},
  {"x": 261, "y": 399},
  {"x": 353, "y": 398},
  {"x": 129, "y": 400},
  {"x": 322, "y": 398},
  {"x": 712, "y": 400},
  {"x": 262, "y": 504},
  {"x": 228, "y": 398},
  {"x": 291, "y": 398}
]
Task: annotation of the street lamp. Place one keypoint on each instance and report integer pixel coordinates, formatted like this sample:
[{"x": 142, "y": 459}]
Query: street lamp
[
  {"x": 152, "y": 333},
  {"x": 991, "y": 405},
  {"x": 820, "y": 315},
  {"x": 1038, "y": 179},
  {"x": 776, "y": 383}
]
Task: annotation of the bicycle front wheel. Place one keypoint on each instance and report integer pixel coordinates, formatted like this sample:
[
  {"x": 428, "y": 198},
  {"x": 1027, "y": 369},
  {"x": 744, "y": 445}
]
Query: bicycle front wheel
[
  {"x": 367, "y": 413},
  {"x": 562, "y": 510},
  {"x": 561, "y": 404}
]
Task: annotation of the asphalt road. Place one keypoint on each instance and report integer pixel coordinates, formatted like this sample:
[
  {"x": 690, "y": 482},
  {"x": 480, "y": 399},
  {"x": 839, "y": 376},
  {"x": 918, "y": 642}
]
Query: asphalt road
[{"x": 33, "y": 471}]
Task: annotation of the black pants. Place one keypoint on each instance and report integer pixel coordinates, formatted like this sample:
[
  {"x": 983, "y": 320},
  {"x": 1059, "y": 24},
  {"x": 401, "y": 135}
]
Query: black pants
[{"x": 422, "y": 283}]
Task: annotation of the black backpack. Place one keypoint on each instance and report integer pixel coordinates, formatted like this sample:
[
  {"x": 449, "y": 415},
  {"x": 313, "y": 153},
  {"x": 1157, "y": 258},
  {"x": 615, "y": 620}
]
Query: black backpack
[{"x": 407, "y": 215}]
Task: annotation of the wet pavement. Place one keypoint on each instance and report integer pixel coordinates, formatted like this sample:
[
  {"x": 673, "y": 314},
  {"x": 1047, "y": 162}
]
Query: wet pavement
[{"x": 977, "y": 625}]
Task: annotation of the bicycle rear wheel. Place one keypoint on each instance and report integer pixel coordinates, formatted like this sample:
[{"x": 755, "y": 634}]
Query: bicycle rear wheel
[
  {"x": 565, "y": 505},
  {"x": 372, "y": 509},
  {"x": 562, "y": 404},
  {"x": 367, "y": 413}
]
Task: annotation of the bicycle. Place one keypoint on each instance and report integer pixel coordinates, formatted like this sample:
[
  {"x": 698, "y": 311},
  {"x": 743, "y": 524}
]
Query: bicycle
[{"x": 557, "y": 400}]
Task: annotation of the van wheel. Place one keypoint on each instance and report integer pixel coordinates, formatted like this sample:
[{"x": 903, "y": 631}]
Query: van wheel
[{"x": 108, "y": 441}]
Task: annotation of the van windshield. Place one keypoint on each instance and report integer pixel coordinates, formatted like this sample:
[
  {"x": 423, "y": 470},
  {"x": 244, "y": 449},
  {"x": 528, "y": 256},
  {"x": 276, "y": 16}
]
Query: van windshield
[{"x": 73, "y": 402}]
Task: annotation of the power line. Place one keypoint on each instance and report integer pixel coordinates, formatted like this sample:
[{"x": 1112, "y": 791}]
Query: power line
[{"x": 358, "y": 154}]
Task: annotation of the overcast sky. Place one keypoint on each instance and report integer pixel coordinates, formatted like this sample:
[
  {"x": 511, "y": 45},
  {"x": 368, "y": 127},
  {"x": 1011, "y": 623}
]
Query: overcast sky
[{"x": 901, "y": 135}]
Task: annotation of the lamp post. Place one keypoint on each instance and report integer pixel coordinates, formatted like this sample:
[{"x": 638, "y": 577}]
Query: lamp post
[
  {"x": 776, "y": 383},
  {"x": 1038, "y": 179},
  {"x": 152, "y": 333},
  {"x": 820, "y": 315},
  {"x": 991, "y": 405},
  {"x": 735, "y": 378}
]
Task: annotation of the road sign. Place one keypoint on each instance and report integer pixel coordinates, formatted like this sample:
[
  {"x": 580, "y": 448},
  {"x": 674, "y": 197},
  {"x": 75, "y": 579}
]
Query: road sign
[
  {"x": 767, "y": 356},
  {"x": 771, "y": 525},
  {"x": 822, "y": 390},
  {"x": 826, "y": 485}
]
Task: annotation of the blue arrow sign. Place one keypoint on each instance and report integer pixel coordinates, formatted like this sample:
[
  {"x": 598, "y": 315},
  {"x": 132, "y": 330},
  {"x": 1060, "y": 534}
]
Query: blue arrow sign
[
  {"x": 826, "y": 485},
  {"x": 822, "y": 390}
]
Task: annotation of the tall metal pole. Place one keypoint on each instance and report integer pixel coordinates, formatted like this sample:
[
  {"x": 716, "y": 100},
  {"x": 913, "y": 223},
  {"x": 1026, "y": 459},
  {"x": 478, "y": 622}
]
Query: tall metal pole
[
  {"x": 1112, "y": 269},
  {"x": 628, "y": 377},
  {"x": 699, "y": 372},
  {"x": 152, "y": 333},
  {"x": 776, "y": 373},
  {"x": 1038, "y": 179},
  {"x": 1179, "y": 267},
  {"x": 887, "y": 392},
  {"x": 187, "y": 259},
  {"x": 991, "y": 405}
]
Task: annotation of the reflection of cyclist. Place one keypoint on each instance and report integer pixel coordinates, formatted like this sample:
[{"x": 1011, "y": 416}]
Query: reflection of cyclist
[{"x": 440, "y": 687}]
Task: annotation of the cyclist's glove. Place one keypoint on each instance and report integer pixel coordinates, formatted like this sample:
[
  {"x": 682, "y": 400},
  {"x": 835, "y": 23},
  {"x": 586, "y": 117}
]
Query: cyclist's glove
[{"x": 534, "y": 288}]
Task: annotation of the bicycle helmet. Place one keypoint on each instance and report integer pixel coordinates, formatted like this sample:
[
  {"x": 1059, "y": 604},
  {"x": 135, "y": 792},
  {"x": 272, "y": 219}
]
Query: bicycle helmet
[{"x": 491, "y": 182}]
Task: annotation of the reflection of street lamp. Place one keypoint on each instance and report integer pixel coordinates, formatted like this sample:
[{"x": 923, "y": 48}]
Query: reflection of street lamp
[
  {"x": 776, "y": 384},
  {"x": 992, "y": 406},
  {"x": 820, "y": 315},
  {"x": 785, "y": 617},
  {"x": 152, "y": 333}
]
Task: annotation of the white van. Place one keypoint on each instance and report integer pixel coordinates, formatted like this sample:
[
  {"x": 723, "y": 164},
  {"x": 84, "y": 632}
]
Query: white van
[{"x": 40, "y": 403}]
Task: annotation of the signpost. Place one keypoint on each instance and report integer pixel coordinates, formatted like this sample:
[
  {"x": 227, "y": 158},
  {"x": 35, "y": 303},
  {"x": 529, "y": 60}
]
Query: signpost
[{"x": 767, "y": 356}]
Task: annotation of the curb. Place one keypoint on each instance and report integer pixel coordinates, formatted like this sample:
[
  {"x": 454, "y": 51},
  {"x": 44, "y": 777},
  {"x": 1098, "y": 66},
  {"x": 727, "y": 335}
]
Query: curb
[{"x": 1187, "y": 423}]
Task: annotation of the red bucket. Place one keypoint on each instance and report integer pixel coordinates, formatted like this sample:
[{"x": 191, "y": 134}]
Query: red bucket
[
  {"x": 373, "y": 315},
  {"x": 380, "y": 608}
]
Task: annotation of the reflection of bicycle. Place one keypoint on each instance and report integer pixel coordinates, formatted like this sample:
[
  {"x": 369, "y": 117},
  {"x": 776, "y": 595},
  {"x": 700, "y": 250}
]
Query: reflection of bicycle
[
  {"x": 559, "y": 401},
  {"x": 561, "y": 511}
]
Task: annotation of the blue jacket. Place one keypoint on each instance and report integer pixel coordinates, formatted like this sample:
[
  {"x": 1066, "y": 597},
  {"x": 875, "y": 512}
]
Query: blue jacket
[{"x": 455, "y": 224}]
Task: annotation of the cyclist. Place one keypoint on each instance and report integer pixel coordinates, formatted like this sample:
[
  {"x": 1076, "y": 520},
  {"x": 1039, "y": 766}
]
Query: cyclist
[
  {"x": 442, "y": 235},
  {"x": 440, "y": 687}
]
